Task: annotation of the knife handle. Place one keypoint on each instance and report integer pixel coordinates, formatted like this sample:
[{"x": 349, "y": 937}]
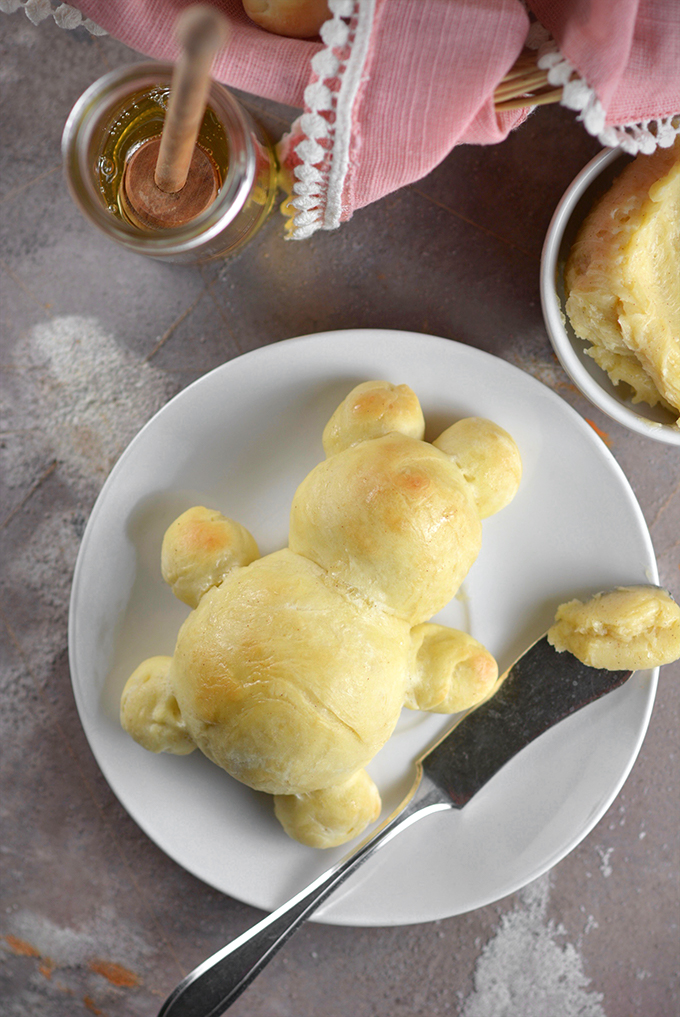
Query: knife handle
[{"x": 211, "y": 988}]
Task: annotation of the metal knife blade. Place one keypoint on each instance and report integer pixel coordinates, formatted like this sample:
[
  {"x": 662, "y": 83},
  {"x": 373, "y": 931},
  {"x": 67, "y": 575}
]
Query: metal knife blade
[{"x": 539, "y": 690}]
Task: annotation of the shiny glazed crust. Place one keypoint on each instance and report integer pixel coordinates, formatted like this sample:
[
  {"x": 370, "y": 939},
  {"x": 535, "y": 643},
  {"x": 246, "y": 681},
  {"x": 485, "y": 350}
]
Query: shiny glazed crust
[{"x": 292, "y": 669}]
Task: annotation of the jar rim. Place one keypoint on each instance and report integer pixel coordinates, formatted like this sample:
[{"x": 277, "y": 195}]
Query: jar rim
[{"x": 90, "y": 112}]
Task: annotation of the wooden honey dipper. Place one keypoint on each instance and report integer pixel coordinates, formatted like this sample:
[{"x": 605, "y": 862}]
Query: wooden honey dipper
[{"x": 169, "y": 180}]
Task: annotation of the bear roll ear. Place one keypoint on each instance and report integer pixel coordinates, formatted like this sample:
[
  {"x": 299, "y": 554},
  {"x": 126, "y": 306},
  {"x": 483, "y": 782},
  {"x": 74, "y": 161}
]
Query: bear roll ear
[
  {"x": 371, "y": 410},
  {"x": 488, "y": 458}
]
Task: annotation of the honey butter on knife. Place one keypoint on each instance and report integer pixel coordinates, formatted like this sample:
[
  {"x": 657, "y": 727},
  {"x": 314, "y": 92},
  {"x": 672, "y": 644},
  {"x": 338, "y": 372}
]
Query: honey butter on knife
[{"x": 591, "y": 649}]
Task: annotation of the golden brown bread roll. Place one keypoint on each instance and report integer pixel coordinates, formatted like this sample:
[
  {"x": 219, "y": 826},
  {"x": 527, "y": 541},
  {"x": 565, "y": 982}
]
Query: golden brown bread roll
[
  {"x": 487, "y": 455},
  {"x": 319, "y": 818},
  {"x": 149, "y": 710},
  {"x": 300, "y": 19},
  {"x": 199, "y": 549},
  {"x": 372, "y": 409},
  {"x": 292, "y": 669}
]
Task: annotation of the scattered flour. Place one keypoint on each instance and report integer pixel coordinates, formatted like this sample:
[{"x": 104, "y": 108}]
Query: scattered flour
[
  {"x": 38, "y": 573},
  {"x": 75, "y": 395},
  {"x": 92, "y": 394},
  {"x": 72, "y": 399},
  {"x": 524, "y": 972},
  {"x": 42, "y": 566},
  {"x": 605, "y": 855}
]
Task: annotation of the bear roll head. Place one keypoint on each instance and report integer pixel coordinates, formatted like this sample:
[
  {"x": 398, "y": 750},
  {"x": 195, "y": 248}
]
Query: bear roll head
[{"x": 291, "y": 670}]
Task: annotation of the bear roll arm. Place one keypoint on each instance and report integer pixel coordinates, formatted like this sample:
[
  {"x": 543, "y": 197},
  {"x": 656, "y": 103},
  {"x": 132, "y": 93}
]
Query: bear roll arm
[
  {"x": 200, "y": 548},
  {"x": 450, "y": 671}
]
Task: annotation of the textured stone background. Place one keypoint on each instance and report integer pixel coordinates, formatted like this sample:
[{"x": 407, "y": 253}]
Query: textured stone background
[{"x": 95, "y": 919}]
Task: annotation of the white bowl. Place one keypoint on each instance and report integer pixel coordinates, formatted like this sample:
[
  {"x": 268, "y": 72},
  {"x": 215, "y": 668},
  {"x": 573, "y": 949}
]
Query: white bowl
[{"x": 592, "y": 182}]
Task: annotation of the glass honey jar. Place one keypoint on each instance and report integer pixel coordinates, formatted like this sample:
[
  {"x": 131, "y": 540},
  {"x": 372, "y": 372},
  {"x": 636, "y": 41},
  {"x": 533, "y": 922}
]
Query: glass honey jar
[{"x": 124, "y": 109}]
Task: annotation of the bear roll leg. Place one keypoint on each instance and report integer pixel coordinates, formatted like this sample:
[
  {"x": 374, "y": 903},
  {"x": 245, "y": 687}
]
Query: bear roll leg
[
  {"x": 450, "y": 671},
  {"x": 332, "y": 815},
  {"x": 149, "y": 711},
  {"x": 200, "y": 548}
]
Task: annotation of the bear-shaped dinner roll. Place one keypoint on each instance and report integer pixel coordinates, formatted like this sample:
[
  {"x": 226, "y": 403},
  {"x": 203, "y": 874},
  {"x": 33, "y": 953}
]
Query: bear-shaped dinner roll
[{"x": 292, "y": 669}]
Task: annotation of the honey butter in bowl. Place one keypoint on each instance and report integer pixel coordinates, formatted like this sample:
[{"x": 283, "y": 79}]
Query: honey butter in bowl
[{"x": 610, "y": 288}]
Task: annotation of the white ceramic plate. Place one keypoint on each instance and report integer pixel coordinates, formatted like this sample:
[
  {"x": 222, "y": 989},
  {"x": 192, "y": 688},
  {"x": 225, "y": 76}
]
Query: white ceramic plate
[
  {"x": 588, "y": 186},
  {"x": 241, "y": 439}
]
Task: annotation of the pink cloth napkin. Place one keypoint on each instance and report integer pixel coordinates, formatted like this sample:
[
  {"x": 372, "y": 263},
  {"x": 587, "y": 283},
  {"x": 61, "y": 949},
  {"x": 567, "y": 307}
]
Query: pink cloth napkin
[
  {"x": 393, "y": 85},
  {"x": 625, "y": 58}
]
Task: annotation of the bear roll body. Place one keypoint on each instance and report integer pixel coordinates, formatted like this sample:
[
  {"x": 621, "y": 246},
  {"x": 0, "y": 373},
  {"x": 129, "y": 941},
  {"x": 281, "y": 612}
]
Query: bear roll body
[{"x": 292, "y": 669}]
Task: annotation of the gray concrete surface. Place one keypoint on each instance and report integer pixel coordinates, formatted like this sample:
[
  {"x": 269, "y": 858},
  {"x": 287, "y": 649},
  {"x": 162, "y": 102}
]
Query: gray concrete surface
[{"x": 95, "y": 919}]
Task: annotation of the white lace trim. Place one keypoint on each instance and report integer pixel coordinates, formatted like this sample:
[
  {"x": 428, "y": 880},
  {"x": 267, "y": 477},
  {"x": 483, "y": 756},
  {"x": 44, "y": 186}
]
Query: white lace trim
[
  {"x": 326, "y": 122},
  {"x": 64, "y": 15},
  {"x": 634, "y": 138}
]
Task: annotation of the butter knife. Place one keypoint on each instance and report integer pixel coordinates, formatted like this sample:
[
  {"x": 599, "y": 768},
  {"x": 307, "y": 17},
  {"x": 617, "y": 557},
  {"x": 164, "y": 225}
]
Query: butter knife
[{"x": 540, "y": 689}]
